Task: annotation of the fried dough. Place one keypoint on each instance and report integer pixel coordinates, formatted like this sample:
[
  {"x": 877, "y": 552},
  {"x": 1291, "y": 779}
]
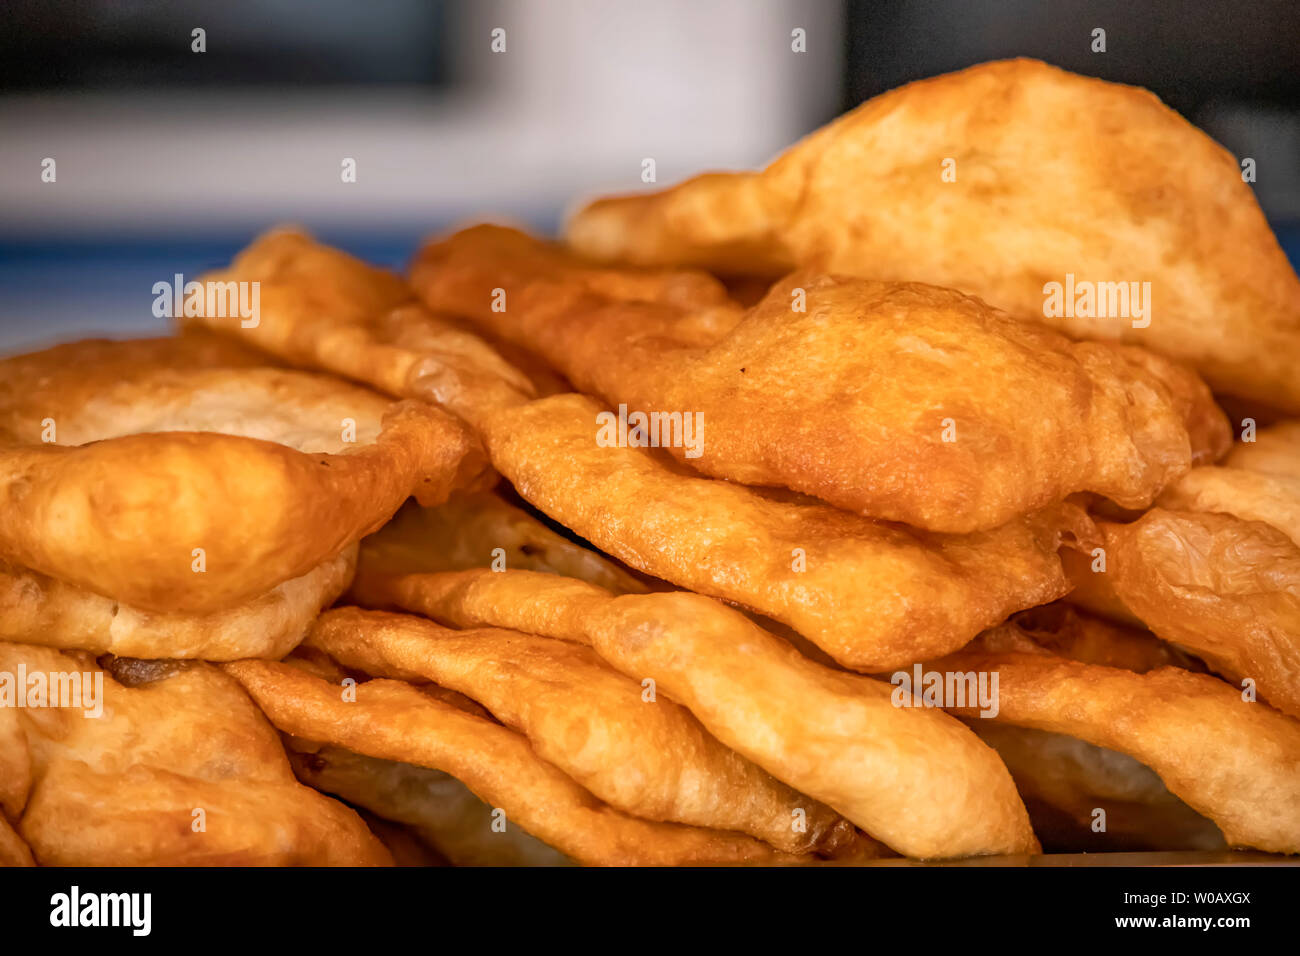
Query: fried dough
[
  {"x": 441, "y": 809},
  {"x": 323, "y": 309},
  {"x": 1065, "y": 780},
  {"x": 1235, "y": 762},
  {"x": 160, "y": 469},
  {"x": 15, "y": 764},
  {"x": 467, "y": 531},
  {"x": 38, "y": 609},
  {"x": 13, "y": 851},
  {"x": 1226, "y": 589},
  {"x": 651, "y": 759},
  {"x": 1248, "y": 495},
  {"x": 899, "y": 401},
  {"x": 1060, "y": 629},
  {"x": 867, "y": 195},
  {"x": 126, "y": 788},
  {"x": 872, "y": 595},
  {"x": 914, "y": 779},
  {"x": 393, "y": 720},
  {"x": 1275, "y": 451},
  {"x": 1216, "y": 568}
]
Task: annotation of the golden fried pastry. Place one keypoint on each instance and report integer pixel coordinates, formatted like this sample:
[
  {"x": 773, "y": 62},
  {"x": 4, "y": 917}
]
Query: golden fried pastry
[
  {"x": 15, "y": 764},
  {"x": 1226, "y": 589},
  {"x": 13, "y": 851},
  {"x": 476, "y": 529},
  {"x": 177, "y": 768},
  {"x": 395, "y": 721},
  {"x": 1216, "y": 568},
  {"x": 1065, "y": 781},
  {"x": 1062, "y": 630},
  {"x": 173, "y": 485},
  {"x": 872, "y": 595},
  {"x": 1246, "y": 494},
  {"x": 961, "y": 180},
  {"x": 38, "y": 609},
  {"x": 898, "y": 401},
  {"x": 1275, "y": 451},
  {"x": 646, "y": 756},
  {"x": 320, "y": 308},
  {"x": 1235, "y": 761},
  {"x": 439, "y": 808},
  {"x": 914, "y": 779}
]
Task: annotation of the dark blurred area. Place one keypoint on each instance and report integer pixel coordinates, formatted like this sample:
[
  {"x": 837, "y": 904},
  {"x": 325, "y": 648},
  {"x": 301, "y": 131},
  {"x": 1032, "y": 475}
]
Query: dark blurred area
[
  {"x": 1189, "y": 52},
  {"x": 72, "y": 45},
  {"x": 170, "y": 158}
]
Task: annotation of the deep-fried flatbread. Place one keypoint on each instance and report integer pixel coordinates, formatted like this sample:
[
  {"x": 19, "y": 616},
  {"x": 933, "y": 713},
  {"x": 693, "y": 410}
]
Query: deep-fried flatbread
[
  {"x": 476, "y": 529},
  {"x": 13, "y": 851},
  {"x": 393, "y": 720},
  {"x": 1237, "y": 762},
  {"x": 646, "y": 757},
  {"x": 441, "y": 809},
  {"x": 900, "y": 401},
  {"x": 38, "y": 609},
  {"x": 1065, "y": 781},
  {"x": 871, "y": 594},
  {"x": 323, "y": 309},
  {"x": 180, "y": 769},
  {"x": 912, "y": 778},
  {"x": 169, "y": 483},
  {"x": 1216, "y": 568},
  {"x": 1051, "y": 175}
]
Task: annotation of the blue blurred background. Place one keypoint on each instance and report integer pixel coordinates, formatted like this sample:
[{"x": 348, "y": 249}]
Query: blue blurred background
[{"x": 169, "y": 160}]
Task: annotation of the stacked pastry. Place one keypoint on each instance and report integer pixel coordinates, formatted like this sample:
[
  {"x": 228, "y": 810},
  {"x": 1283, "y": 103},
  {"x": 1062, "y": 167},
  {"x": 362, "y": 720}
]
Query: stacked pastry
[
  {"x": 782, "y": 446},
  {"x": 182, "y": 500}
]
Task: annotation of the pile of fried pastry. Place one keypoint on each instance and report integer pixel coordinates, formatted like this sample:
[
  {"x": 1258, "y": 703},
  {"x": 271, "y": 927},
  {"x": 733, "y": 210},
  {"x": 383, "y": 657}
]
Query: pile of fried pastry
[{"x": 361, "y": 583}]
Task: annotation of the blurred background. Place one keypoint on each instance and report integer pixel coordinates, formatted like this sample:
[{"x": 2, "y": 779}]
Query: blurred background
[{"x": 168, "y": 159}]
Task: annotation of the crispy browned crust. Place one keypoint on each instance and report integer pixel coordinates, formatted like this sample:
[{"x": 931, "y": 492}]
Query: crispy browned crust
[
  {"x": 1216, "y": 568},
  {"x": 122, "y": 789},
  {"x": 900, "y": 401},
  {"x": 392, "y": 720},
  {"x": 1275, "y": 451},
  {"x": 323, "y": 309},
  {"x": 872, "y": 595},
  {"x": 651, "y": 759},
  {"x": 865, "y": 196},
  {"x": 1226, "y": 589},
  {"x": 912, "y": 778},
  {"x": 1236, "y": 762},
  {"x": 38, "y": 609},
  {"x": 1063, "y": 779},
  {"x": 120, "y": 513}
]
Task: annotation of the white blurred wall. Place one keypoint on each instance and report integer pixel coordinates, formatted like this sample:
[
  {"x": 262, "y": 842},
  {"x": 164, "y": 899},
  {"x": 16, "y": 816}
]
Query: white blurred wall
[{"x": 584, "y": 92}]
